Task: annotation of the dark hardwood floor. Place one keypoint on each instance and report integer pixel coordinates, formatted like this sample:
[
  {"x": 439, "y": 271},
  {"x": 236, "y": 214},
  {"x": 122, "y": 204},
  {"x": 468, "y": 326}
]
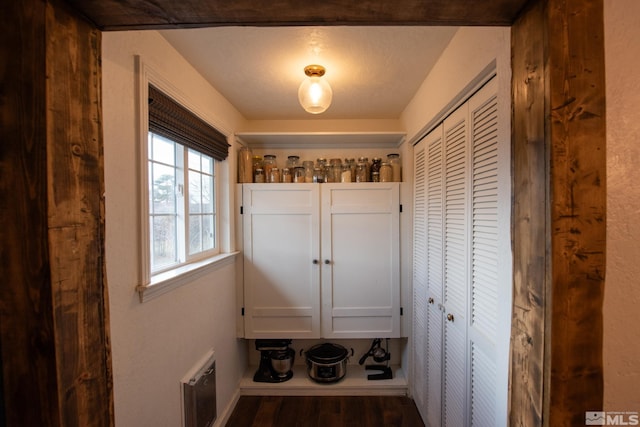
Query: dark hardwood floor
[{"x": 325, "y": 411}]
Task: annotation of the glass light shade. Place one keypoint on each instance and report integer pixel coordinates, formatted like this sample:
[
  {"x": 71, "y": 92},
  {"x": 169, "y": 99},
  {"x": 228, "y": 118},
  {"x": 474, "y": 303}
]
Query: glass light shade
[{"x": 315, "y": 95}]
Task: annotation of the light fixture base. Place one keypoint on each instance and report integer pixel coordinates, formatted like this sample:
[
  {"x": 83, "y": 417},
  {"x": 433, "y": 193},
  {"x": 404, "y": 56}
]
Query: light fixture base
[{"x": 314, "y": 70}]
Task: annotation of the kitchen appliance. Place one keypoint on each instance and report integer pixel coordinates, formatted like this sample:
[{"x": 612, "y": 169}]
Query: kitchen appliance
[
  {"x": 379, "y": 355},
  {"x": 276, "y": 361},
  {"x": 327, "y": 362}
]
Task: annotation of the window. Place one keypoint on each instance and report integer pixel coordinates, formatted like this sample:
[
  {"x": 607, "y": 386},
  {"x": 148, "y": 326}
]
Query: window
[
  {"x": 180, "y": 157},
  {"x": 182, "y": 216}
]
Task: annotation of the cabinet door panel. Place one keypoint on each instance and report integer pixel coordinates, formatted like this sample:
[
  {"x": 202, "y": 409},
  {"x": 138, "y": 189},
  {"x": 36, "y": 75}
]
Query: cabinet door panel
[
  {"x": 360, "y": 241},
  {"x": 281, "y": 240}
]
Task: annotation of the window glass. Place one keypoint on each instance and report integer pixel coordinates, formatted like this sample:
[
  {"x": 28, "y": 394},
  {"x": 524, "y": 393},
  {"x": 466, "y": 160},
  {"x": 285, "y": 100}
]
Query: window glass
[{"x": 181, "y": 204}]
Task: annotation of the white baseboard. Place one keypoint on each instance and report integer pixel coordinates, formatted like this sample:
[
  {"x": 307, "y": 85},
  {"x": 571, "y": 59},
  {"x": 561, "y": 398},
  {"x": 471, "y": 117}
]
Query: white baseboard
[{"x": 228, "y": 410}]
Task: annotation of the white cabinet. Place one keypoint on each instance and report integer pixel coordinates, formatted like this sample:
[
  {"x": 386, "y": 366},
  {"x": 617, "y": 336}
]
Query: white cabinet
[
  {"x": 458, "y": 340},
  {"x": 321, "y": 260}
]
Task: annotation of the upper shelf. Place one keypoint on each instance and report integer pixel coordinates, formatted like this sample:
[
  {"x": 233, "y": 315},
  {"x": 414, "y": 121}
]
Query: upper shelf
[{"x": 321, "y": 139}]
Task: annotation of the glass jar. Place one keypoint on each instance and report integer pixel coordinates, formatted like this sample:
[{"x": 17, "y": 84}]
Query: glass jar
[
  {"x": 245, "y": 165},
  {"x": 268, "y": 162},
  {"x": 256, "y": 163},
  {"x": 336, "y": 169},
  {"x": 361, "y": 172},
  {"x": 299, "y": 174},
  {"x": 258, "y": 176},
  {"x": 293, "y": 161},
  {"x": 386, "y": 172},
  {"x": 274, "y": 175},
  {"x": 286, "y": 175},
  {"x": 353, "y": 165},
  {"x": 375, "y": 176},
  {"x": 318, "y": 175},
  {"x": 375, "y": 166},
  {"x": 345, "y": 175},
  {"x": 308, "y": 170},
  {"x": 365, "y": 160},
  {"x": 396, "y": 165}
]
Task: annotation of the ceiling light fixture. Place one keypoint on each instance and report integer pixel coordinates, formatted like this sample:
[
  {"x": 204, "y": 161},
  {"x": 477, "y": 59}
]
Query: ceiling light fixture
[{"x": 315, "y": 93}]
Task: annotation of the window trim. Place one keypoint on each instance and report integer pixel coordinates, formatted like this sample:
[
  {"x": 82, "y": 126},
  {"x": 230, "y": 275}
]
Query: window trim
[{"x": 150, "y": 286}]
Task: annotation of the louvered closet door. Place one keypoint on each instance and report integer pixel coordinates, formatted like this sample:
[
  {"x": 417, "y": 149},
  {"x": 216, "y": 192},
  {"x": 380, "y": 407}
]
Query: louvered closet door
[
  {"x": 483, "y": 308},
  {"x": 420, "y": 316},
  {"x": 455, "y": 163},
  {"x": 427, "y": 276},
  {"x": 434, "y": 276}
]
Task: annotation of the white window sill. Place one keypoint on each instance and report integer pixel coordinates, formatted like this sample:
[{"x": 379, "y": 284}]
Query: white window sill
[{"x": 167, "y": 281}]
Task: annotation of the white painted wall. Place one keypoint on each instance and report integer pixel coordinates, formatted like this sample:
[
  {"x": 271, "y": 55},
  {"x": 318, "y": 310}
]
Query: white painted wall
[
  {"x": 154, "y": 344},
  {"x": 622, "y": 283}
]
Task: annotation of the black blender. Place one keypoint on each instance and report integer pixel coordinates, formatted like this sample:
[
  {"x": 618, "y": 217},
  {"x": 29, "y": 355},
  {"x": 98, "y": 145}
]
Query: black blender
[{"x": 276, "y": 361}]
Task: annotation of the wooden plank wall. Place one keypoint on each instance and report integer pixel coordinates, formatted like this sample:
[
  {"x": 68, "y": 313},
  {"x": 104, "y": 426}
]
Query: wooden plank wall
[
  {"x": 559, "y": 212},
  {"x": 577, "y": 126},
  {"x": 54, "y": 311},
  {"x": 530, "y": 178}
]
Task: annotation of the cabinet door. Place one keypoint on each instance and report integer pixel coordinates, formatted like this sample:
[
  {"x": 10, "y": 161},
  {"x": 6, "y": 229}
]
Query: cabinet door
[
  {"x": 360, "y": 260},
  {"x": 281, "y": 242}
]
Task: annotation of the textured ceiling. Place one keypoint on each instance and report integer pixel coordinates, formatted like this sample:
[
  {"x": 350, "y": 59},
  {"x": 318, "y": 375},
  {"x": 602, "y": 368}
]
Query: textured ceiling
[{"x": 374, "y": 71}]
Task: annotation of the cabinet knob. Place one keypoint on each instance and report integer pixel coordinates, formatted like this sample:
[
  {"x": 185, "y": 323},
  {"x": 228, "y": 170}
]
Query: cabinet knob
[
  {"x": 326, "y": 261},
  {"x": 450, "y": 317},
  {"x": 315, "y": 261},
  {"x": 430, "y": 300}
]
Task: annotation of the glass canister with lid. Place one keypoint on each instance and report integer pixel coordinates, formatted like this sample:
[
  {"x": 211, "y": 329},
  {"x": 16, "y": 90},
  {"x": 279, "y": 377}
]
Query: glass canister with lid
[
  {"x": 286, "y": 175},
  {"x": 308, "y": 170},
  {"x": 299, "y": 174},
  {"x": 293, "y": 161},
  {"x": 361, "y": 172},
  {"x": 396, "y": 166},
  {"x": 268, "y": 163},
  {"x": 274, "y": 175},
  {"x": 386, "y": 172},
  {"x": 335, "y": 170}
]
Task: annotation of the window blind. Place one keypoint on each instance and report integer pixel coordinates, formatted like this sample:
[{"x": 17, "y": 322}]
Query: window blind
[{"x": 169, "y": 119}]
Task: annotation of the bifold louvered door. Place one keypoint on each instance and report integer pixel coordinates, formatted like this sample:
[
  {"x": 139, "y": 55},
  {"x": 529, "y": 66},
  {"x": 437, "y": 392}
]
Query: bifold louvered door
[
  {"x": 455, "y": 267},
  {"x": 484, "y": 329},
  {"x": 456, "y": 284}
]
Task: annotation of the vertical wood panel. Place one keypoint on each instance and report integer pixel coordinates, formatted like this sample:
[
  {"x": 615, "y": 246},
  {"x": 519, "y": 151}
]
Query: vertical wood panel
[
  {"x": 26, "y": 323},
  {"x": 54, "y": 312},
  {"x": 578, "y": 172},
  {"x": 529, "y": 219}
]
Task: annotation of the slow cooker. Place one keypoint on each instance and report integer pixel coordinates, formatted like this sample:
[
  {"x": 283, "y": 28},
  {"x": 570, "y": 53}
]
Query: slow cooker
[{"x": 327, "y": 362}]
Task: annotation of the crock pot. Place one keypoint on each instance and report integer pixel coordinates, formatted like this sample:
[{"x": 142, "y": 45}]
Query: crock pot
[{"x": 327, "y": 362}]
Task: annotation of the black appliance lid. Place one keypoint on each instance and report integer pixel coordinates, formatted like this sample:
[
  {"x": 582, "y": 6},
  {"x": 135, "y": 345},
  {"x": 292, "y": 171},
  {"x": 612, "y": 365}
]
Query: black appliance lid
[{"x": 327, "y": 353}]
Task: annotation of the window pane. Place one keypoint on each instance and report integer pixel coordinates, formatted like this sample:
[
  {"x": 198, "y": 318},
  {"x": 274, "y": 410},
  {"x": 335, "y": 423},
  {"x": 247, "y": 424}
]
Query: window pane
[
  {"x": 207, "y": 194},
  {"x": 207, "y": 164},
  {"x": 207, "y": 232},
  {"x": 195, "y": 192},
  {"x": 163, "y": 241},
  {"x": 194, "y": 160},
  {"x": 163, "y": 150},
  {"x": 195, "y": 234},
  {"x": 163, "y": 189}
]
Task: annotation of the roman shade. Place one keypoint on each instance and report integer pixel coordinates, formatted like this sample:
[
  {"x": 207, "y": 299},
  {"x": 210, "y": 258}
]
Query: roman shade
[{"x": 169, "y": 119}]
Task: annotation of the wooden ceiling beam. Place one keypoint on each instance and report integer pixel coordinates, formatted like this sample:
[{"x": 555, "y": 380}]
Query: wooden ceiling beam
[{"x": 111, "y": 15}]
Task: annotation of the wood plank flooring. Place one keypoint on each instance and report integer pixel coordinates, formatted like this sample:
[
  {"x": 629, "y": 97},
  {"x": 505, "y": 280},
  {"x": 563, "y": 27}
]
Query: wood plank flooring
[{"x": 325, "y": 411}]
